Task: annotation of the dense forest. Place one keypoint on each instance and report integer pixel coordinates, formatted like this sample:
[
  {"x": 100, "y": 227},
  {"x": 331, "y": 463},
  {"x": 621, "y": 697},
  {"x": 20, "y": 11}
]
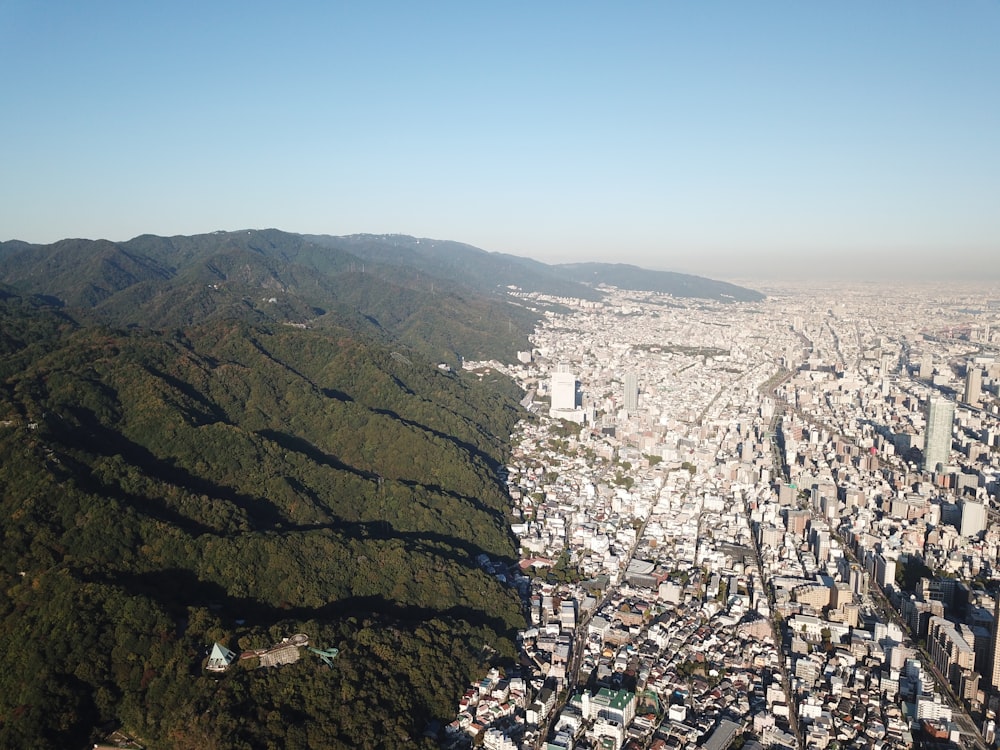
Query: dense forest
[
  {"x": 269, "y": 276},
  {"x": 186, "y": 461}
]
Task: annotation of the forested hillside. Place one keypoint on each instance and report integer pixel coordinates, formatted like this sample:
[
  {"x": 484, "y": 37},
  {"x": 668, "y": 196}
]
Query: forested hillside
[
  {"x": 239, "y": 480},
  {"x": 268, "y": 276}
]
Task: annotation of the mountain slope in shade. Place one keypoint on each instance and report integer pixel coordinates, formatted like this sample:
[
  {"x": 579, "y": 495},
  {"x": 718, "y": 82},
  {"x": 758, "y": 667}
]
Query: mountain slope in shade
[{"x": 237, "y": 436}]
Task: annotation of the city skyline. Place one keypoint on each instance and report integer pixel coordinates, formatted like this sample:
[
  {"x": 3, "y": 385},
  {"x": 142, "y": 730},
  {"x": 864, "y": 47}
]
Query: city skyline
[{"x": 778, "y": 141}]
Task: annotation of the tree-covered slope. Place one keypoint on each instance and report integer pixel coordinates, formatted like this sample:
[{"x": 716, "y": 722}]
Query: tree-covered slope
[
  {"x": 459, "y": 263},
  {"x": 240, "y": 481},
  {"x": 267, "y": 276}
]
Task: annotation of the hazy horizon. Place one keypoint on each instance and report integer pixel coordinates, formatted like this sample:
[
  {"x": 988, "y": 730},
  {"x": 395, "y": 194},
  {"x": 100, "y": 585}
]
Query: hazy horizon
[{"x": 730, "y": 141}]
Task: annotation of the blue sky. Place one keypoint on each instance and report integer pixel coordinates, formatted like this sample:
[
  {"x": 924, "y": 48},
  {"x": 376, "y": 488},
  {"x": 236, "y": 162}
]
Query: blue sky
[{"x": 847, "y": 139}]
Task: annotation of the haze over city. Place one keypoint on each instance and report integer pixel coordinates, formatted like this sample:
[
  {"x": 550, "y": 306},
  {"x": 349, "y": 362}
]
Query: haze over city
[{"x": 850, "y": 140}]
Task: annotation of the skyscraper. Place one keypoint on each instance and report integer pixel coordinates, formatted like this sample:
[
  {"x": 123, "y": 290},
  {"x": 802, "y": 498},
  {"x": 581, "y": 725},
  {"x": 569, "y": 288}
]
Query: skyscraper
[
  {"x": 973, "y": 385},
  {"x": 926, "y": 367},
  {"x": 940, "y": 416},
  {"x": 973, "y": 517},
  {"x": 631, "y": 392},
  {"x": 563, "y": 390},
  {"x": 995, "y": 641}
]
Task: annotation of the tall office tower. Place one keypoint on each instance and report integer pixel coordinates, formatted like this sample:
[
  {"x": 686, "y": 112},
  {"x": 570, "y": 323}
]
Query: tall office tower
[
  {"x": 926, "y": 367},
  {"x": 940, "y": 416},
  {"x": 821, "y": 545},
  {"x": 631, "y": 392},
  {"x": 973, "y": 385},
  {"x": 563, "y": 390},
  {"x": 796, "y": 521},
  {"x": 995, "y": 640},
  {"x": 888, "y": 362},
  {"x": 884, "y": 570},
  {"x": 973, "y": 517}
]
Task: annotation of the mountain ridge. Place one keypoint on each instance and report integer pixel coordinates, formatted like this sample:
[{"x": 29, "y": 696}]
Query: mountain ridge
[
  {"x": 389, "y": 255},
  {"x": 627, "y": 276}
]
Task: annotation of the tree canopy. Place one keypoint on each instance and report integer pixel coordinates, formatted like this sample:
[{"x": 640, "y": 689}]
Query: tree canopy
[{"x": 239, "y": 481}]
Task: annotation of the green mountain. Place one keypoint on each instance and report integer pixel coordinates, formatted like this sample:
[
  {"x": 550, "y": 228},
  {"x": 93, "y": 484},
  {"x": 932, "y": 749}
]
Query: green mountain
[
  {"x": 266, "y": 277},
  {"x": 237, "y": 482},
  {"x": 460, "y": 263},
  {"x": 410, "y": 288}
]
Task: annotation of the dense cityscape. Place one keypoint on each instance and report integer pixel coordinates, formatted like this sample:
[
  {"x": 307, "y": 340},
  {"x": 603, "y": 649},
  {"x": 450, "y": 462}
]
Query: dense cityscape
[{"x": 766, "y": 525}]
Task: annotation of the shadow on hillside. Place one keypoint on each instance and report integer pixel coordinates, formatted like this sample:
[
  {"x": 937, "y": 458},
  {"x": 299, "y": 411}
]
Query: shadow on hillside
[
  {"x": 176, "y": 589},
  {"x": 336, "y": 395},
  {"x": 455, "y": 549},
  {"x": 473, "y": 450},
  {"x": 89, "y": 432},
  {"x": 393, "y": 611},
  {"x": 213, "y": 412},
  {"x": 260, "y": 513},
  {"x": 153, "y": 507},
  {"x": 437, "y": 489},
  {"x": 314, "y": 454}
]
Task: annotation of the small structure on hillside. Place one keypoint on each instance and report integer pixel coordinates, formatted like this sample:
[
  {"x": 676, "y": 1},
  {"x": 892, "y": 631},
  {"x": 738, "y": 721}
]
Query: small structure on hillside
[
  {"x": 220, "y": 658},
  {"x": 327, "y": 655},
  {"x": 286, "y": 652}
]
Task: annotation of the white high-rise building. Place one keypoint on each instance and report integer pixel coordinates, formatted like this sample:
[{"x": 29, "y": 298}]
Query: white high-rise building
[
  {"x": 563, "y": 391},
  {"x": 631, "y": 392},
  {"x": 940, "y": 417},
  {"x": 973, "y": 517},
  {"x": 926, "y": 367},
  {"x": 973, "y": 385}
]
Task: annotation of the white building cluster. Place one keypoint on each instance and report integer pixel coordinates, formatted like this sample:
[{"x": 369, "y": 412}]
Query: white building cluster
[{"x": 710, "y": 502}]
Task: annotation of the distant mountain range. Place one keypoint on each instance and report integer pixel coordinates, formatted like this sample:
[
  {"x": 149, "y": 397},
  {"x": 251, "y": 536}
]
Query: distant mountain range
[
  {"x": 625, "y": 276},
  {"x": 391, "y": 282},
  {"x": 485, "y": 270}
]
